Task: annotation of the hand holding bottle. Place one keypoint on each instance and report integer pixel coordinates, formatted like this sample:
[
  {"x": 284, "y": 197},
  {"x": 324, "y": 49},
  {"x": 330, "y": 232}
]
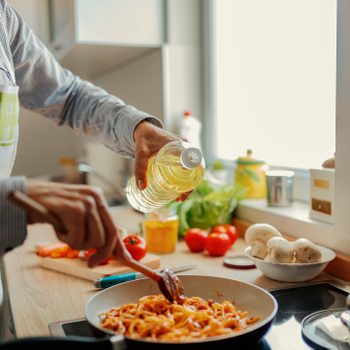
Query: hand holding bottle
[
  {"x": 149, "y": 139},
  {"x": 166, "y": 169}
]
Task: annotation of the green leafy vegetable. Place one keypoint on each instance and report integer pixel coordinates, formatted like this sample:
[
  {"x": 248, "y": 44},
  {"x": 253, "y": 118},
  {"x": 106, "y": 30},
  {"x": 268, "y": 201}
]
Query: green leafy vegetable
[
  {"x": 218, "y": 165},
  {"x": 208, "y": 206}
]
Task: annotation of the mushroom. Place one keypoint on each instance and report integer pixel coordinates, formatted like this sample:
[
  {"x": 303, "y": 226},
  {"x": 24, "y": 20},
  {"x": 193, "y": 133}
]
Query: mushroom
[
  {"x": 279, "y": 250},
  {"x": 257, "y": 236},
  {"x": 306, "y": 251}
]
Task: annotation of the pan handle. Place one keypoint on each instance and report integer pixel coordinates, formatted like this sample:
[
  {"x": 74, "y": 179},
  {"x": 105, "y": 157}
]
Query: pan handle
[
  {"x": 59, "y": 343},
  {"x": 118, "y": 342}
]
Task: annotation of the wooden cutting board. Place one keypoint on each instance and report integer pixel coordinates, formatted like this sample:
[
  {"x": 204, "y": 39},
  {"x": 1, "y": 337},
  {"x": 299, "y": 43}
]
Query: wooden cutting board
[{"x": 79, "y": 268}]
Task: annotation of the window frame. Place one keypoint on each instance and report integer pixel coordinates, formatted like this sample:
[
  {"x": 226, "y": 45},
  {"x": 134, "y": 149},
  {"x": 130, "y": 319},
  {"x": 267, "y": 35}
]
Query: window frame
[{"x": 336, "y": 236}]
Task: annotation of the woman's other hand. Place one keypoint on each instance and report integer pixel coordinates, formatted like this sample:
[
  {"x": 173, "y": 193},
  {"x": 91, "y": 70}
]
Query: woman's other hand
[{"x": 83, "y": 213}]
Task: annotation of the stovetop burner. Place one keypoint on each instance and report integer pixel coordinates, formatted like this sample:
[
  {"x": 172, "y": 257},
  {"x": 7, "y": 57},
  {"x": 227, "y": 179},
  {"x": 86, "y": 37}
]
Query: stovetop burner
[{"x": 294, "y": 304}]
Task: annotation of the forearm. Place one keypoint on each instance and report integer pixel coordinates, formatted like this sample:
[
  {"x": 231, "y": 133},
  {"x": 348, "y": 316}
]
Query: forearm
[
  {"x": 104, "y": 116},
  {"x": 13, "y": 220}
]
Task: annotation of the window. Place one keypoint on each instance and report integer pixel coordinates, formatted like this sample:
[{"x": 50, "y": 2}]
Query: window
[
  {"x": 277, "y": 79},
  {"x": 274, "y": 67}
]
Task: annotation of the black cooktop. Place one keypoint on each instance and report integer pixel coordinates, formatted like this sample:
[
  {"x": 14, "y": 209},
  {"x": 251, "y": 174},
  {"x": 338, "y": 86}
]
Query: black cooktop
[{"x": 294, "y": 304}]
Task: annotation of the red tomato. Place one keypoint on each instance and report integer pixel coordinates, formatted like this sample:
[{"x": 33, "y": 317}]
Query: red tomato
[
  {"x": 195, "y": 239},
  {"x": 105, "y": 262},
  {"x": 86, "y": 254},
  {"x": 136, "y": 246},
  {"x": 218, "y": 244},
  {"x": 230, "y": 230}
]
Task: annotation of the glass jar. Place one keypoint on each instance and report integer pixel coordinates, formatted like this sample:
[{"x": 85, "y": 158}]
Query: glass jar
[
  {"x": 250, "y": 173},
  {"x": 160, "y": 230}
]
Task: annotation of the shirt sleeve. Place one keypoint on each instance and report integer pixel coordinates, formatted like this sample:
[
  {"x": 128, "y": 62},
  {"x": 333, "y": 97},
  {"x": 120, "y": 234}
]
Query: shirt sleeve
[
  {"x": 13, "y": 223},
  {"x": 53, "y": 91}
]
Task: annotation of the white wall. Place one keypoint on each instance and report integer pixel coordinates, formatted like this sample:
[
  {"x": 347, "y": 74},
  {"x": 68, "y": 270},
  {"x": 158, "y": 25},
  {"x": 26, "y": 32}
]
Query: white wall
[
  {"x": 138, "y": 83},
  {"x": 182, "y": 62},
  {"x": 34, "y": 12},
  {"x": 42, "y": 144},
  {"x": 342, "y": 185}
]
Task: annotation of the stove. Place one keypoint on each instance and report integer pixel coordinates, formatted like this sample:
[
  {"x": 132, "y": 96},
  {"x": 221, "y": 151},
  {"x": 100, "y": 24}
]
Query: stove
[{"x": 294, "y": 303}]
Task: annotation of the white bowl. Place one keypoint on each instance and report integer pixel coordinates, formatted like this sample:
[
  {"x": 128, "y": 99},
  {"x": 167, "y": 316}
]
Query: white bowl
[{"x": 292, "y": 272}]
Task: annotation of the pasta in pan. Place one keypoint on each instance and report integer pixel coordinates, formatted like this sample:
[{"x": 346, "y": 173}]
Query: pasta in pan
[{"x": 154, "y": 317}]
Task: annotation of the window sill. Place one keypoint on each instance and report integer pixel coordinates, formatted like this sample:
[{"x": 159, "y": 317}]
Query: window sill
[{"x": 293, "y": 221}]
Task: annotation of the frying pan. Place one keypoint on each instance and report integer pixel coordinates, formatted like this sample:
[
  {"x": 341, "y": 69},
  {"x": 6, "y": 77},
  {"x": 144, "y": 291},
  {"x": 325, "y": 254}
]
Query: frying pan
[{"x": 245, "y": 296}]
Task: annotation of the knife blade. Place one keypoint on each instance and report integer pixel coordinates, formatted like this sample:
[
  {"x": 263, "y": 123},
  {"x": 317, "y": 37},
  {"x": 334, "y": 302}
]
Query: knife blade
[
  {"x": 112, "y": 280},
  {"x": 345, "y": 316}
]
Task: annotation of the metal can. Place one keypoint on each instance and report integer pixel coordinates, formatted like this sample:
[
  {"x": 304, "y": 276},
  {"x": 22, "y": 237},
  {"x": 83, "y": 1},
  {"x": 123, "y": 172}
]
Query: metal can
[{"x": 279, "y": 188}]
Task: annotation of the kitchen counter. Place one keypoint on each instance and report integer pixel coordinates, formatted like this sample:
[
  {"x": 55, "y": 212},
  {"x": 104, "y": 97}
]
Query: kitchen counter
[{"x": 38, "y": 296}]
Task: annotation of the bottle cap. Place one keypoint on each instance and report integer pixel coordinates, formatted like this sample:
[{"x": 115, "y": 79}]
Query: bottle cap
[
  {"x": 239, "y": 262},
  {"x": 191, "y": 157}
]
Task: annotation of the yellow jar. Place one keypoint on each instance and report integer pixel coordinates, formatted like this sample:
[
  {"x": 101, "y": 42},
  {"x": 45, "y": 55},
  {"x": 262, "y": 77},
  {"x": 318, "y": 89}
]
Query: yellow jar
[
  {"x": 250, "y": 173},
  {"x": 160, "y": 230}
]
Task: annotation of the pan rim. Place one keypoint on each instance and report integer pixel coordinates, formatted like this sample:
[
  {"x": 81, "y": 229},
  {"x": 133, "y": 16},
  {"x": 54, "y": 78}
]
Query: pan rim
[{"x": 258, "y": 325}]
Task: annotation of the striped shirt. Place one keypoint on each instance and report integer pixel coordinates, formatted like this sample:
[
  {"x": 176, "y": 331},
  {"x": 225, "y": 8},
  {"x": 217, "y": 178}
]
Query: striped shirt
[{"x": 49, "y": 89}]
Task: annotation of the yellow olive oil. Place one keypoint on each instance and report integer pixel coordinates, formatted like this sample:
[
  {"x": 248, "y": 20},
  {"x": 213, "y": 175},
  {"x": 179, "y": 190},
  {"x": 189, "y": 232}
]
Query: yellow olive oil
[{"x": 169, "y": 174}]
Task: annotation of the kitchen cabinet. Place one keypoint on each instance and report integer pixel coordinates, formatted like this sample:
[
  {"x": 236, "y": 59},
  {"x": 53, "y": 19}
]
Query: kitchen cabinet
[
  {"x": 96, "y": 39},
  {"x": 92, "y": 36},
  {"x": 129, "y": 22}
]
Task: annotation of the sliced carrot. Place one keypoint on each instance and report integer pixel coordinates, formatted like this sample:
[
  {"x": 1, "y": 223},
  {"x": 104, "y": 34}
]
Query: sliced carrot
[
  {"x": 72, "y": 253},
  {"x": 45, "y": 250},
  {"x": 60, "y": 252}
]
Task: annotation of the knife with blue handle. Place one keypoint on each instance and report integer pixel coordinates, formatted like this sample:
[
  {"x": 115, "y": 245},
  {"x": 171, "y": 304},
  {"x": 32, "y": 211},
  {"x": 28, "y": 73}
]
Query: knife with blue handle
[{"x": 112, "y": 280}]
